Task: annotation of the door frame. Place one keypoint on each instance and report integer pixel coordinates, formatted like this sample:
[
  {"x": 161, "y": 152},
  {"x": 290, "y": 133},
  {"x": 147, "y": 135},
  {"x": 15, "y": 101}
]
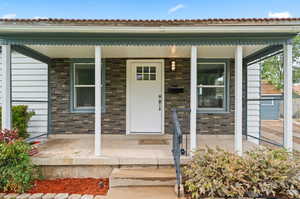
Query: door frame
[{"x": 128, "y": 92}]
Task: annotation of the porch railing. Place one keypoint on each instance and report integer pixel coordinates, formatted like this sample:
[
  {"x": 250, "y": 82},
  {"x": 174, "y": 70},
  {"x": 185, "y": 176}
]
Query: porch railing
[{"x": 177, "y": 149}]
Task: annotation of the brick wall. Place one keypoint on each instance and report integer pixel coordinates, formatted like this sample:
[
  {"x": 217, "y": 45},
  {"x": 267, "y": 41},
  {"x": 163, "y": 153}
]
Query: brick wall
[{"x": 114, "y": 119}]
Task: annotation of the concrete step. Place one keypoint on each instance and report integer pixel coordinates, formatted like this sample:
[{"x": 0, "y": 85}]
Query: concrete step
[
  {"x": 125, "y": 177},
  {"x": 142, "y": 192}
]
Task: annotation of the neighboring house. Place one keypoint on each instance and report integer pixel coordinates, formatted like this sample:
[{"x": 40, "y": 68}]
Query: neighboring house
[
  {"x": 296, "y": 90},
  {"x": 125, "y": 76},
  {"x": 30, "y": 87},
  {"x": 296, "y": 101},
  {"x": 271, "y": 105},
  {"x": 271, "y": 101}
]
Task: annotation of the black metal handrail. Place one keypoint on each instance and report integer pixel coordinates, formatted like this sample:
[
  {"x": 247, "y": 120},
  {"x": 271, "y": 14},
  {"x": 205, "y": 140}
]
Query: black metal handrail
[
  {"x": 35, "y": 137},
  {"x": 177, "y": 151}
]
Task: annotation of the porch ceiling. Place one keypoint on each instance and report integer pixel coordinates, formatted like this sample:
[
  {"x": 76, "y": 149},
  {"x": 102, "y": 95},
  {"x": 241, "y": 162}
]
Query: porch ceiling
[{"x": 142, "y": 51}]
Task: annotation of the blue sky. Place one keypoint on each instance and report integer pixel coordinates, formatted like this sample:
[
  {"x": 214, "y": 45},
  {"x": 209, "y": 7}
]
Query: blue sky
[{"x": 149, "y": 9}]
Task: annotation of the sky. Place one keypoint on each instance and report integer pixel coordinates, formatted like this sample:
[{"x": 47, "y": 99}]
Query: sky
[{"x": 149, "y": 9}]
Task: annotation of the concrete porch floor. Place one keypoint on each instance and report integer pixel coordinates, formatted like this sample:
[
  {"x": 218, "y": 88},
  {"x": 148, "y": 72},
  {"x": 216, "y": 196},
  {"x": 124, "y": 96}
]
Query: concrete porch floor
[{"x": 78, "y": 149}]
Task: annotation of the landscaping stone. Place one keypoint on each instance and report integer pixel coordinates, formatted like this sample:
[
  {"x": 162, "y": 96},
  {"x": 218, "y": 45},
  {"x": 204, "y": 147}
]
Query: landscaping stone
[
  {"x": 75, "y": 196},
  {"x": 11, "y": 196},
  {"x": 49, "y": 196},
  {"x": 62, "y": 196},
  {"x": 24, "y": 196},
  {"x": 2, "y": 195},
  {"x": 36, "y": 196},
  {"x": 100, "y": 197},
  {"x": 87, "y": 196}
]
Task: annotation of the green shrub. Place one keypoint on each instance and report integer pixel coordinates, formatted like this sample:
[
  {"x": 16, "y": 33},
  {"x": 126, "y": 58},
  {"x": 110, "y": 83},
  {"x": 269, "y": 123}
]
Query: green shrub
[
  {"x": 16, "y": 169},
  {"x": 261, "y": 172},
  {"x": 20, "y": 119}
]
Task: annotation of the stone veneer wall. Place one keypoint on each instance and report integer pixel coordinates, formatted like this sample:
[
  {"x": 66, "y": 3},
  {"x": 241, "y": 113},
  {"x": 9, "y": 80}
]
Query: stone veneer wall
[
  {"x": 114, "y": 119},
  {"x": 62, "y": 120},
  {"x": 213, "y": 123}
]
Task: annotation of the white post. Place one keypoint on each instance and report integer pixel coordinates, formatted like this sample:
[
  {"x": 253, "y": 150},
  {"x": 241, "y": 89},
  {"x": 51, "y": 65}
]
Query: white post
[
  {"x": 97, "y": 100},
  {"x": 288, "y": 98},
  {"x": 193, "y": 100},
  {"x": 6, "y": 87},
  {"x": 238, "y": 134}
]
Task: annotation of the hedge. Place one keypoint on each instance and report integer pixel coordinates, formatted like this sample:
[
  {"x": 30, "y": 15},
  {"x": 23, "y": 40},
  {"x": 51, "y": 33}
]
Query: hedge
[{"x": 20, "y": 119}]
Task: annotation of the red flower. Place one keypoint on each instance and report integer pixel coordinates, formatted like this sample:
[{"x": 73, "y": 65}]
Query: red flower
[{"x": 8, "y": 136}]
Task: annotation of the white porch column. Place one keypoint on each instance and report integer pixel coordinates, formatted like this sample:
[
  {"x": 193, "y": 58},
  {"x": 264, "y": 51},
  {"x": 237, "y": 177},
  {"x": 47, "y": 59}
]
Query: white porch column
[
  {"x": 238, "y": 134},
  {"x": 288, "y": 98},
  {"x": 6, "y": 87},
  {"x": 97, "y": 100},
  {"x": 193, "y": 100}
]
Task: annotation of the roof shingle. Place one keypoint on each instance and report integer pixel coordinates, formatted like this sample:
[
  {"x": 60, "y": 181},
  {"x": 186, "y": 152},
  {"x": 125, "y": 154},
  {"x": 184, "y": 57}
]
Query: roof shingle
[{"x": 154, "y": 21}]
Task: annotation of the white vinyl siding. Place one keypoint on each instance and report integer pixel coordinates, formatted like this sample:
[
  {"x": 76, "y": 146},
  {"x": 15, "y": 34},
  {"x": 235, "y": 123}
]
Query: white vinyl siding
[
  {"x": 253, "y": 107},
  {"x": 30, "y": 83}
]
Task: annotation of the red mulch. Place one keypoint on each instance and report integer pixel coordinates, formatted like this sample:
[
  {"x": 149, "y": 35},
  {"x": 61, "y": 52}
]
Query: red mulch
[{"x": 91, "y": 186}]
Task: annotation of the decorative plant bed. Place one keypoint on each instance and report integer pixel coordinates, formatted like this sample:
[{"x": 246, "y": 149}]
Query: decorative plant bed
[
  {"x": 189, "y": 196},
  {"x": 91, "y": 186},
  {"x": 260, "y": 173}
]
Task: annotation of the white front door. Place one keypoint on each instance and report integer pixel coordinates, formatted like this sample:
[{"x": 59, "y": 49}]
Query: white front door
[{"x": 145, "y": 106}]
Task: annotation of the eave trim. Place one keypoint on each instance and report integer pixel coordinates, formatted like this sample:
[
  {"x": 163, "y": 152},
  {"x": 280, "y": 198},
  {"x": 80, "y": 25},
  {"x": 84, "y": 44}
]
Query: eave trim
[{"x": 143, "y": 39}]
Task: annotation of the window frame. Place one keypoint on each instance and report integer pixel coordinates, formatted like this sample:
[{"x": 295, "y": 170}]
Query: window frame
[
  {"x": 225, "y": 108},
  {"x": 143, "y": 73},
  {"x": 73, "y": 107}
]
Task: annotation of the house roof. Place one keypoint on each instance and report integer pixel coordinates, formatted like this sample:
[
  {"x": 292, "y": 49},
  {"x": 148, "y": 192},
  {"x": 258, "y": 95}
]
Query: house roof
[
  {"x": 238, "y": 31},
  {"x": 156, "y": 22}
]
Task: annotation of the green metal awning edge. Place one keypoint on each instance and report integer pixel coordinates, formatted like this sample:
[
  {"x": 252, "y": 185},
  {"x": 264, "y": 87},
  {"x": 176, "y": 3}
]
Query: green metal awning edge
[{"x": 139, "y": 39}]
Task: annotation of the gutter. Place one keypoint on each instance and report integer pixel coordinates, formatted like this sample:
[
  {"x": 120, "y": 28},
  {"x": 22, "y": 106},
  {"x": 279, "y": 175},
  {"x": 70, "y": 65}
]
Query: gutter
[{"x": 286, "y": 28}]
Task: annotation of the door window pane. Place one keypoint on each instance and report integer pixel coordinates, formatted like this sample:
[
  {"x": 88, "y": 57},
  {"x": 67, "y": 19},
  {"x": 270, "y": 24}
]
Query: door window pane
[
  {"x": 146, "y": 69},
  {"x": 139, "y": 69},
  {"x": 152, "y": 76},
  {"x": 146, "y": 76},
  {"x": 139, "y": 76},
  {"x": 145, "y": 73},
  {"x": 152, "y": 70}
]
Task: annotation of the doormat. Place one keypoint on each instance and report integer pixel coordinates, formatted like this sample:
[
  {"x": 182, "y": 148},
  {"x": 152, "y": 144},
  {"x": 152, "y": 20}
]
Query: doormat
[{"x": 153, "y": 142}]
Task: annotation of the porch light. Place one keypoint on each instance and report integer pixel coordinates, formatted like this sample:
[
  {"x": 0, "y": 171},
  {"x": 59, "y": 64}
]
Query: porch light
[{"x": 173, "y": 66}]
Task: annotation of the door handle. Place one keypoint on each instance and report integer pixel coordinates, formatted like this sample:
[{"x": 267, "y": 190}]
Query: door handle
[{"x": 159, "y": 102}]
